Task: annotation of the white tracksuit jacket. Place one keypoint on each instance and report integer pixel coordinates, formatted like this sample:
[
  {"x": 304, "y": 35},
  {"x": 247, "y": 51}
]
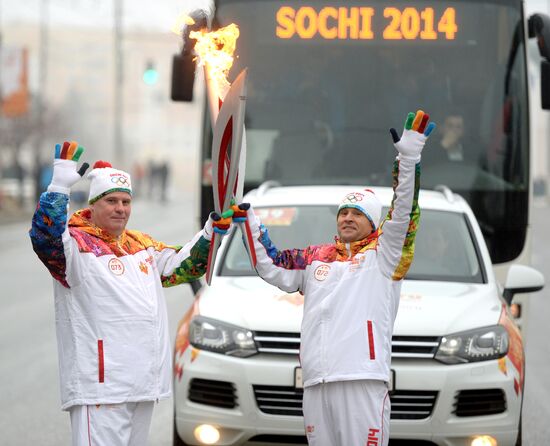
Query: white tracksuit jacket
[
  {"x": 351, "y": 290},
  {"x": 111, "y": 318}
]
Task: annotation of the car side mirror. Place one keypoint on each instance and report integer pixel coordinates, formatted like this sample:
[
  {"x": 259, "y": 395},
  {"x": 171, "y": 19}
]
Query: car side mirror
[{"x": 522, "y": 279}]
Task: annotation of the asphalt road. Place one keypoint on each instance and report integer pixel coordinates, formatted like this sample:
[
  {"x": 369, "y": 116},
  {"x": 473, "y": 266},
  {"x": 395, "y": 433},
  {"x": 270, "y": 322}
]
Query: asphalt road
[{"x": 29, "y": 393}]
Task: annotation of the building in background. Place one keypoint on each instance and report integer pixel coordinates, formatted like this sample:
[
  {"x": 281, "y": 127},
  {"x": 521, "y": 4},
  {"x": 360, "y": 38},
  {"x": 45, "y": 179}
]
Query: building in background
[{"x": 76, "y": 75}]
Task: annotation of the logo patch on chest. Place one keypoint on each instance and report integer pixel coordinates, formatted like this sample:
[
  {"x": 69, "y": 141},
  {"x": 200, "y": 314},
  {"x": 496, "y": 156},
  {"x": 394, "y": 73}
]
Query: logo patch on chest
[
  {"x": 356, "y": 263},
  {"x": 321, "y": 272},
  {"x": 116, "y": 266},
  {"x": 143, "y": 267}
]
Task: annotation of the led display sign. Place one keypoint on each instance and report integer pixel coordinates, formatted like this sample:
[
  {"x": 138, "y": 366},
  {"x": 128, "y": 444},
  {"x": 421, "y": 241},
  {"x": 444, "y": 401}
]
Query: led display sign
[{"x": 366, "y": 23}]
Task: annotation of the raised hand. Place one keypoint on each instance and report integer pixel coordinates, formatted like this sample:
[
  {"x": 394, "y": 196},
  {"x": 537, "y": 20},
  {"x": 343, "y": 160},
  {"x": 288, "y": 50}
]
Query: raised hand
[
  {"x": 240, "y": 212},
  {"x": 222, "y": 223},
  {"x": 217, "y": 223},
  {"x": 65, "y": 173},
  {"x": 416, "y": 132}
]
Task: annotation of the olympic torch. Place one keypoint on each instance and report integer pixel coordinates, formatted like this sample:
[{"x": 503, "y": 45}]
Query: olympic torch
[{"x": 226, "y": 104}]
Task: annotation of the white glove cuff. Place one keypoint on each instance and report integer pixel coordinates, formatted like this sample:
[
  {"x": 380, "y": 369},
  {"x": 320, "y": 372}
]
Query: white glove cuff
[
  {"x": 60, "y": 189},
  {"x": 208, "y": 230},
  {"x": 415, "y": 159}
]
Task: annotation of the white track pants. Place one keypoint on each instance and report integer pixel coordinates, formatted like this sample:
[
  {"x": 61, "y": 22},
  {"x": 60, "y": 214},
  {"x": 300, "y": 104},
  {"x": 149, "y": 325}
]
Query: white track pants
[
  {"x": 125, "y": 424},
  {"x": 347, "y": 413}
]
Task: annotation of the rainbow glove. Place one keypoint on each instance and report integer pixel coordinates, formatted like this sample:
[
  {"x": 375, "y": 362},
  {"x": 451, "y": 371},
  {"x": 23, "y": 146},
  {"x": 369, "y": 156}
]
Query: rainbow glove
[
  {"x": 415, "y": 134},
  {"x": 221, "y": 224},
  {"x": 217, "y": 223},
  {"x": 240, "y": 212},
  {"x": 65, "y": 173}
]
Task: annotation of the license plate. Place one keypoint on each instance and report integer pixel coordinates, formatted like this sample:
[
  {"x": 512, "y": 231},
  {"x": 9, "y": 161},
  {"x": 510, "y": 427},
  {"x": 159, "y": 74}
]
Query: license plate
[{"x": 298, "y": 380}]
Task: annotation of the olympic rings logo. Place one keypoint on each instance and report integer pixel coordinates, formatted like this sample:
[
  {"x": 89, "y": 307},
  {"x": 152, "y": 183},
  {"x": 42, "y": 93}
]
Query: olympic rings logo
[
  {"x": 353, "y": 197},
  {"x": 121, "y": 181}
]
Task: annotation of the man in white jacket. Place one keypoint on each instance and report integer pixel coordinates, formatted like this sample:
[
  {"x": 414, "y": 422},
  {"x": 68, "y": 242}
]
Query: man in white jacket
[
  {"x": 352, "y": 290},
  {"x": 111, "y": 319}
]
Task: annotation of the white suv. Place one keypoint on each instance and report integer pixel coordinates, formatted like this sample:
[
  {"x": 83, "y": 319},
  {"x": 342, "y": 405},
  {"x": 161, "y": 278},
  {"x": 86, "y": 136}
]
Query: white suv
[{"x": 457, "y": 356}]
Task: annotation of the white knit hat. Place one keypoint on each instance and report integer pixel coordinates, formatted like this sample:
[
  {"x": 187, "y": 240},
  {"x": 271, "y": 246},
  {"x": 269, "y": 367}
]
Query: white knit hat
[
  {"x": 105, "y": 180},
  {"x": 365, "y": 201}
]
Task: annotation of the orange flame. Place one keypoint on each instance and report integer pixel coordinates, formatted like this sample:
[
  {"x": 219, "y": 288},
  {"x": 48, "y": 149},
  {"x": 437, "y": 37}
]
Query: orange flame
[
  {"x": 181, "y": 22},
  {"x": 215, "y": 51}
]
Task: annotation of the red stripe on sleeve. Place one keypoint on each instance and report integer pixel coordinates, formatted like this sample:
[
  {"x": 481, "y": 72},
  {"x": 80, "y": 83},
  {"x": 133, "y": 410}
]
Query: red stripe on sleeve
[
  {"x": 101, "y": 376},
  {"x": 371, "y": 340}
]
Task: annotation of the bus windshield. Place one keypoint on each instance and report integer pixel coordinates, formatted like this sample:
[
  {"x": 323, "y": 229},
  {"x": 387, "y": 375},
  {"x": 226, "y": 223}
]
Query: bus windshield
[{"x": 327, "y": 80}]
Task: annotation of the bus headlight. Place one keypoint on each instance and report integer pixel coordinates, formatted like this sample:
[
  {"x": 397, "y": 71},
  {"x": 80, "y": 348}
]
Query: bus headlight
[
  {"x": 220, "y": 337},
  {"x": 481, "y": 344}
]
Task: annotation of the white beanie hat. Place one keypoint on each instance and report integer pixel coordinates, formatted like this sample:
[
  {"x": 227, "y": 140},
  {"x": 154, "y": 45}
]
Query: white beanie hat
[
  {"x": 365, "y": 201},
  {"x": 105, "y": 180}
]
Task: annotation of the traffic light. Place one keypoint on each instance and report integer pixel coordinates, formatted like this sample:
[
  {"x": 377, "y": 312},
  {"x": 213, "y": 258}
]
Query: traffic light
[{"x": 150, "y": 75}]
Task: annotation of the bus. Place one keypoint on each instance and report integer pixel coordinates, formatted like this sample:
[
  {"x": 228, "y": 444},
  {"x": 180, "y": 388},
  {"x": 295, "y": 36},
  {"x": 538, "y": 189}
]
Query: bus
[{"x": 327, "y": 79}]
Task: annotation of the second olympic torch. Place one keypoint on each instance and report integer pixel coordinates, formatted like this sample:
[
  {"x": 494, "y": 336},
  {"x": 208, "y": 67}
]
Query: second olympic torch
[{"x": 227, "y": 110}]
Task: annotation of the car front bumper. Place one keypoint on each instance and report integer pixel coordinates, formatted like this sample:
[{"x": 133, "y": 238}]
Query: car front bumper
[{"x": 441, "y": 426}]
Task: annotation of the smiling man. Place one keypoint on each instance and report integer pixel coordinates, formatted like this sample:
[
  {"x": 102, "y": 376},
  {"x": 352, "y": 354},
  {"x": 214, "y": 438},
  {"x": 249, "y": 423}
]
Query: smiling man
[
  {"x": 112, "y": 212},
  {"x": 357, "y": 215},
  {"x": 111, "y": 319},
  {"x": 351, "y": 294}
]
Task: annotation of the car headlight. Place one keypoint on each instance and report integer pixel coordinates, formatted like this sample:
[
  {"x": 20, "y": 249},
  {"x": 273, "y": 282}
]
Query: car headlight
[
  {"x": 481, "y": 344},
  {"x": 220, "y": 337}
]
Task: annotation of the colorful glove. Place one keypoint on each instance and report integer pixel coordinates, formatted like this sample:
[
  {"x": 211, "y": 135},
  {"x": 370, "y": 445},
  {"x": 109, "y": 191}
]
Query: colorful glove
[
  {"x": 240, "y": 212},
  {"x": 416, "y": 132},
  {"x": 65, "y": 174},
  {"x": 218, "y": 224}
]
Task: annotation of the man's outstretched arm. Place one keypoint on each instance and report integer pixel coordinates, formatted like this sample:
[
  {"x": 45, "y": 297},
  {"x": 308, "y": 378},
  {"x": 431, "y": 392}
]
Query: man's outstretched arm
[
  {"x": 398, "y": 231},
  {"x": 49, "y": 222}
]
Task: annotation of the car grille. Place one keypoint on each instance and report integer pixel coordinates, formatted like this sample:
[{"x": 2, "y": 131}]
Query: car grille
[
  {"x": 414, "y": 346},
  {"x": 279, "y": 400},
  {"x": 212, "y": 393},
  {"x": 473, "y": 403},
  {"x": 402, "y": 346},
  {"x": 276, "y": 342},
  {"x": 405, "y": 404},
  {"x": 412, "y": 404}
]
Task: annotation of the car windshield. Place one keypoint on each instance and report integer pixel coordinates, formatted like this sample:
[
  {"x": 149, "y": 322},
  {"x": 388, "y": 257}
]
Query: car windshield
[{"x": 445, "y": 248}]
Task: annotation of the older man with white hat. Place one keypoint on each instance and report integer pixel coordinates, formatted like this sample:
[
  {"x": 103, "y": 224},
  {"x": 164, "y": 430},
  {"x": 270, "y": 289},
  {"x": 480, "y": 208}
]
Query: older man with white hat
[{"x": 111, "y": 319}]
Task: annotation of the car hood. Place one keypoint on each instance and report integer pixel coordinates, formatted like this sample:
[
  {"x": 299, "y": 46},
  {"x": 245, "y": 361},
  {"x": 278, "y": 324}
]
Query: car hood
[{"x": 426, "y": 308}]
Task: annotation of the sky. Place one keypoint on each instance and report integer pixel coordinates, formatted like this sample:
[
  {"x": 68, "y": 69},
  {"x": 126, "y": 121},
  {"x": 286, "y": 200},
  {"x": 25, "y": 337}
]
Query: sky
[{"x": 154, "y": 15}]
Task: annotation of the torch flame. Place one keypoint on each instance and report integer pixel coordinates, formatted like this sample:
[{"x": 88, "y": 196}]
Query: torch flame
[
  {"x": 215, "y": 51},
  {"x": 181, "y": 23}
]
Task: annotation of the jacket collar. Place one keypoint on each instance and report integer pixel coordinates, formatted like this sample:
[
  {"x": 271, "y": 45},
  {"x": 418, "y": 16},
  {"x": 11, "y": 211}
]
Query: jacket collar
[
  {"x": 349, "y": 250},
  {"x": 82, "y": 220}
]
